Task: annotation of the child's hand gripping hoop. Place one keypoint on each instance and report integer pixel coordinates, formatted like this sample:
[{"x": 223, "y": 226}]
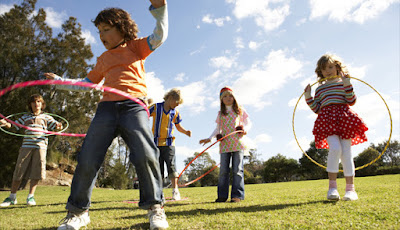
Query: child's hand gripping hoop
[
  {"x": 218, "y": 140},
  {"x": 33, "y": 129},
  {"x": 360, "y": 167},
  {"x": 58, "y": 82}
]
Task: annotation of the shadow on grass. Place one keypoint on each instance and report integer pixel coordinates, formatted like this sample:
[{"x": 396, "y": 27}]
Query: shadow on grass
[{"x": 235, "y": 208}]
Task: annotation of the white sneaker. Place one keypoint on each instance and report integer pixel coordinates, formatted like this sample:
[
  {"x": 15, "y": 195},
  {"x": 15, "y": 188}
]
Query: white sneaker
[
  {"x": 30, "y": 201},
  {"x": 8, "y": 201},
  {"x": 158, "y": 219},
  {"x": 175, "y": 194},
  {"x": 74, "y": 221},
  {"x": 333, "y": 194},
  {"x": 350, "y": 195}
]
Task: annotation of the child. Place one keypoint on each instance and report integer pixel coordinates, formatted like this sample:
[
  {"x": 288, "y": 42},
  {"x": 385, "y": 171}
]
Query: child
[
  {"x": 337, "y": 127},
  {"x": 121, "y": 67},
  {"x": 31, "y": 162},
  {"x": 230, "y": 118},
  {"x": 164, "y": 116}
]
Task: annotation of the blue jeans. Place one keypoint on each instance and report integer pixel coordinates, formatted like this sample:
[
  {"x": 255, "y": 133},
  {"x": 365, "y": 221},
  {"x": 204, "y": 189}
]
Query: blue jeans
[
  {"x": 238, "y": 175},
  {"x": 113, "y": 118}
]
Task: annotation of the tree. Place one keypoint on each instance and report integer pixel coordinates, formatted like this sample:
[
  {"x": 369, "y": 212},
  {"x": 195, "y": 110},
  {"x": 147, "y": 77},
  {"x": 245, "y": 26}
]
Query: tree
[
  {"x": 27, "y": 50},
  {"x": 253, "y": 168},
  {"x": 308, "y": 169},
  {"x": 199, "y": 166},
  {"x": 391, "y": 157},
  {"x": 279, "y": 168},
  {"x": 366, "y": 157}
]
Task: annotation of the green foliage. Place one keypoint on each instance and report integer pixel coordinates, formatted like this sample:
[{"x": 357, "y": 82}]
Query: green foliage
[
  {"x": 392, "y": 154},
  {"x": 309, "y": 170},
  {"x": 210, "y": 179},
  {"x": 27, "y": 50},
  {"x": 198, "y": 167},
  {"x": 253, "y": 169},
  {"x": 118, "y": 176},
  {"x": 366, "y": 157},
  {"x": 383, "y": 170},
  {"x": 279, "y": 168}
]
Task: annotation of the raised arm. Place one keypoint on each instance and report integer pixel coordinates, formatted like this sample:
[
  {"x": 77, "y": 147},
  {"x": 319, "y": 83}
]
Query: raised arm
[
  {"x": 348, "y": 89},
  {"x": 159, "y": 11},
  {"x": 53, "y": 76}
]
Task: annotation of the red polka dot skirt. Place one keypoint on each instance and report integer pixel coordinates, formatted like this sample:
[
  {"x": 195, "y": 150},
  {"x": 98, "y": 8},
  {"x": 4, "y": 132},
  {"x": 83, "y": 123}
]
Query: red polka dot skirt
[{"x": 338, "y": 120}]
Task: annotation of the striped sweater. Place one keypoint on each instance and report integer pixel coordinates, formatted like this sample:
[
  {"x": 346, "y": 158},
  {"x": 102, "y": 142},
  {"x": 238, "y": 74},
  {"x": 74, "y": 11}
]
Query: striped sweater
[
  {"x": 41, "y": 122},
  {"x": 331, "y": 94}
]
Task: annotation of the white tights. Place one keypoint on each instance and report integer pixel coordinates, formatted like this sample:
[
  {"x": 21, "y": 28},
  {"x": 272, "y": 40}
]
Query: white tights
[{"x": 340, "y": 149}]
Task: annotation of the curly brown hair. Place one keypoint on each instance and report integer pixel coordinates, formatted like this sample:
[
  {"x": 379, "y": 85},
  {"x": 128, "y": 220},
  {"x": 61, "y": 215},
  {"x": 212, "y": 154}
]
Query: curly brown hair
[
  {"x": 329, "y": 58},
  {"x": 120, "y": 19}
]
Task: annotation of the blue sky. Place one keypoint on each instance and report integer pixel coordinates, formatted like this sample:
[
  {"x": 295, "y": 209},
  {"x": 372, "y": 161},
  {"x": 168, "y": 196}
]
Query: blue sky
[{"x": 267, "y": 51}]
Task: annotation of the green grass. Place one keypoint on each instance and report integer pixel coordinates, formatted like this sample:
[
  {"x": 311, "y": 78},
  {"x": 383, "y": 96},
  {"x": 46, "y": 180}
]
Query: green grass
[{"x": 289, "y": 205}]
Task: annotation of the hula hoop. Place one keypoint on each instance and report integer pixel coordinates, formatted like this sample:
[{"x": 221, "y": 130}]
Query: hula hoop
[
  {"x": 60, "y": 82},
  {"x": 360, "y": 167},
  {"x": 32, "y": 135},
  {"x": 191, "y": 182}
]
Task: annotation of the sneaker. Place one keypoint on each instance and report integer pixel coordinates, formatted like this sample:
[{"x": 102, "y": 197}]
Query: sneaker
[
  {"x": 220, "y": 200},
  {"x": 7, "y": 202},
  {"x": 175, "y": 194},
  {"x": 157, "y": 217},
  {"x": 74, "y": 221},
  {"x": 333, "y": 194},
  {"x": 350, "y": 195},
  {"x": 30, "y": 201}
]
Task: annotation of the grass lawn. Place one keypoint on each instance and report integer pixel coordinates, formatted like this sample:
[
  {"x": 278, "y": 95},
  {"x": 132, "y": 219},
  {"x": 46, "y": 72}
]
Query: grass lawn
[{"x": 289, "y": 205}]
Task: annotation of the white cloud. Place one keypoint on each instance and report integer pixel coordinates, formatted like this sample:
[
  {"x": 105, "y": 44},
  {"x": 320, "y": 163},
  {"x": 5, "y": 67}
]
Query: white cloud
[
  {"x": 304, "y": 143},
  {"x": 265, "y": 77},
  {"x": 217, "y": 21},
  {"x": 301, "y": 21},
  {"x": 180, "y": 77},
  {"x": 373, "y": 111},
  {"x": 155, "y": 87},
  {"x": 357, "y": 11},
  {"x": 5, "y": 8},
  {"x": 55, "y": 19},
  {"x": 223, "y": 62},
  {"x": 268, "y": 14},
  {"x": 239, "y": 43},
  {"x": 253, "y": 45},
  {"x": 263, "y": 138},
  {"x": 185, "y": 152},
  {"x": 193, "y": 97},
  {"x": 89, "y": 39},
  {"x": 301, "y": 105},
  {"x": 357, "y": 72}
]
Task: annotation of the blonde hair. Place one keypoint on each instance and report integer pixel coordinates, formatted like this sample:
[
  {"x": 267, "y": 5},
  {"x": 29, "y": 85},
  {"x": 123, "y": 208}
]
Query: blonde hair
[
  {"x": 236, "y": 108},
  {"x": 175, "y": 93},
  {"x": 329, "y": 58}
]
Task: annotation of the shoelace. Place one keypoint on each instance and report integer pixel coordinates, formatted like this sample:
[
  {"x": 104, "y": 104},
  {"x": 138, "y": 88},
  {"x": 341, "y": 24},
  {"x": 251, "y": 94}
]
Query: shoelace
[
  {"x": 68, "y": 218},
  {"x": 157, "y": 214}
]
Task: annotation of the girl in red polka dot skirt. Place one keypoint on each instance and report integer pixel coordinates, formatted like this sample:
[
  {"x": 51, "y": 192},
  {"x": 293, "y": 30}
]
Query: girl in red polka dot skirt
[{"x": 337, "y": 127}]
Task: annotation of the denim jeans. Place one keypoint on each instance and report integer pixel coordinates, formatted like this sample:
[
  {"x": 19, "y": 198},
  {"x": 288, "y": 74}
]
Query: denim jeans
[
  {"x": 129, "y": 120},
  {"x": 238, "y": 175}
]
